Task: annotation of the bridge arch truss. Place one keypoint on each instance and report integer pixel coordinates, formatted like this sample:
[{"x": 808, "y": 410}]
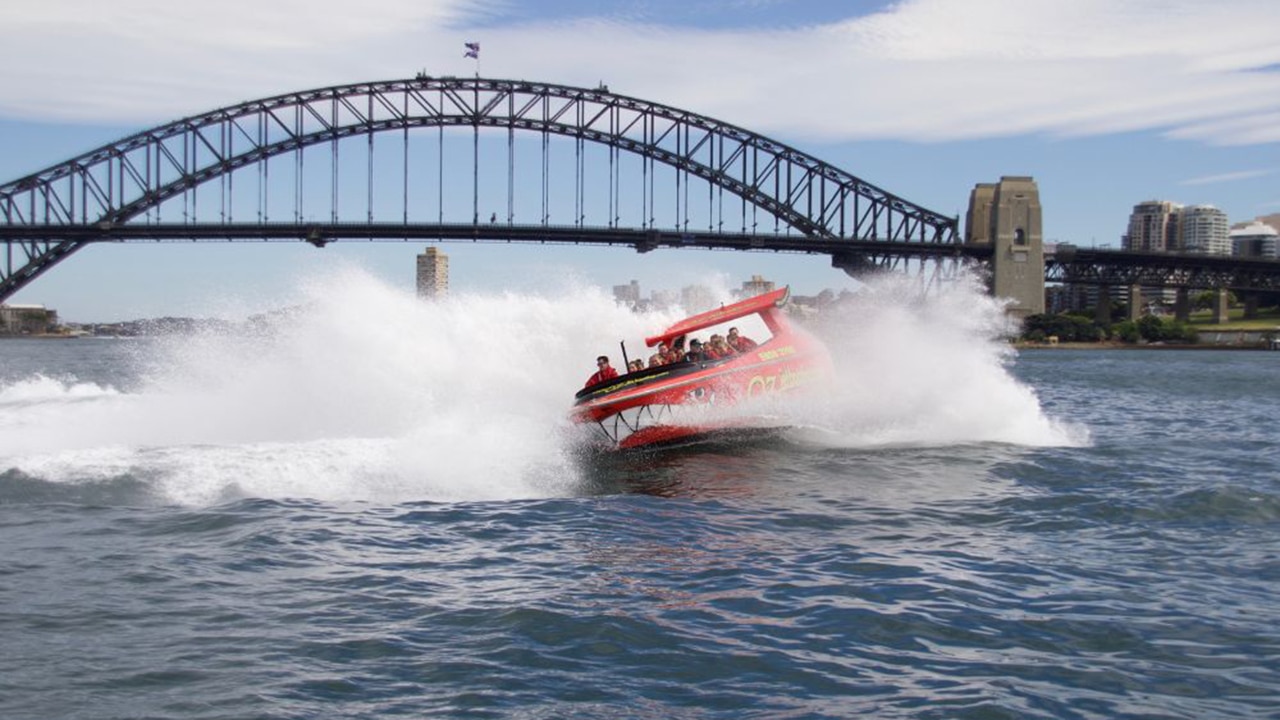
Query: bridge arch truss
[{"x": 182, "y": 180}]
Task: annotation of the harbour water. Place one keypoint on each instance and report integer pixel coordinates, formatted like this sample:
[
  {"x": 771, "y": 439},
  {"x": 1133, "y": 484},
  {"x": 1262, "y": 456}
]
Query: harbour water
[{"x": 375, "y": 510}]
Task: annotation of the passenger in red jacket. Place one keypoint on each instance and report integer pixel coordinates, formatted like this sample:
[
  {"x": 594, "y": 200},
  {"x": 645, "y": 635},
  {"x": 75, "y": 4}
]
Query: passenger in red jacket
[
  {"x": 604, "y": 371},
  {"x": 673, "y": 354},
  {"x": 719, "y": 349},
  {"x": 661, "y": 357},
  {"x": 741, "y": 343}
]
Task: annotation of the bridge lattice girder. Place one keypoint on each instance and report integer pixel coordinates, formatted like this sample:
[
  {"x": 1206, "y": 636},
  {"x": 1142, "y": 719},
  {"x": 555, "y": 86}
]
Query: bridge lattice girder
[
  {"x": 1082, "y": 266},
  {"x": 86, "y": 197}
]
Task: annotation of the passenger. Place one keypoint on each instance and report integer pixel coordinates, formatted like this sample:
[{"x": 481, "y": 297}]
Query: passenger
[
  {"x": 604, "y": 371},
  {"x": 695, "y": 353},
  {"x": 710, "y": 351},
  {"x": 732, "y": 350},
  {"x": 661, "y": 356},
  {"x": 635, "y": 365},
  {"x": 719, "y": 349},
  {"x": 672, "y": 355},
  {"x": 740, "y": 343}
]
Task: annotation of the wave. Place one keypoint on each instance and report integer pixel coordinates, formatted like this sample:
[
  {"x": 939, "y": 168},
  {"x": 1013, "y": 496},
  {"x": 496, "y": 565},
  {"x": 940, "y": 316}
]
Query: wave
[{"x": 40, "y": 389}]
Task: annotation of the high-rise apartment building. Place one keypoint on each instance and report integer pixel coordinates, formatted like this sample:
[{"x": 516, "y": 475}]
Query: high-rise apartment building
[
  {"x": 628, "y": 294},
  {"x": 433, "y": 273},
  {"x": 1203, "y": 229},
  {"x": 696, "y": 299},
  {"x": 1153, "y": 226}
]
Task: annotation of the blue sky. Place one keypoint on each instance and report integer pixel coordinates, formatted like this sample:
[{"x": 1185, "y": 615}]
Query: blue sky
[{"x": 1106, "y": 103}]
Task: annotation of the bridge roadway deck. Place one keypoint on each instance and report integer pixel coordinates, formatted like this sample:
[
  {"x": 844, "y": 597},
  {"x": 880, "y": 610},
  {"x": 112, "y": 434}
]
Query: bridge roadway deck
[
  {"x": 643, "y": 240},
  {"x": 1065, "y": 263}
]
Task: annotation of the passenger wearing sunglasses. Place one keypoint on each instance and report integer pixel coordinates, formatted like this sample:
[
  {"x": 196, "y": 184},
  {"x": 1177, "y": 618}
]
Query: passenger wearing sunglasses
[{"x": 604, "y": 371}]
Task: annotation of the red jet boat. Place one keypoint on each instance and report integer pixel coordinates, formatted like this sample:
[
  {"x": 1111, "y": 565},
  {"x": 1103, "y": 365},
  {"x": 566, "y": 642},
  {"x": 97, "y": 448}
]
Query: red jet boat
[{"x": 697, "y": 398}]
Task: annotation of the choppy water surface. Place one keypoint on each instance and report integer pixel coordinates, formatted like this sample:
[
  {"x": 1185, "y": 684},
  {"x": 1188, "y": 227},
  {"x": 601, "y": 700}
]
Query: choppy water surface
[{"x": 356, "y": 519}]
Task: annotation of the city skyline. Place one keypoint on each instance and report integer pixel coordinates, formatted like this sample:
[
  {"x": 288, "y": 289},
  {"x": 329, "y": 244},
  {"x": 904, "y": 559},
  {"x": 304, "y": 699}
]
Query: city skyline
[{"x": 1106, "y": 105}]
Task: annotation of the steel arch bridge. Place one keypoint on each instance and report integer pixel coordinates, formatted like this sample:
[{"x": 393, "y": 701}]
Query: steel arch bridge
[{"x": 193, "y": 179}]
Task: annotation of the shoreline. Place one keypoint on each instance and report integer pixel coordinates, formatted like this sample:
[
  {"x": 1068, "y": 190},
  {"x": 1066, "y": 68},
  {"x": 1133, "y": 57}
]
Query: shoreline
[{"x": 1133, "y": 346}]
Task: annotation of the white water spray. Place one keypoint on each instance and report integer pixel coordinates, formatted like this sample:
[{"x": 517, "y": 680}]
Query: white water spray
[
  {"x": 362, "y": 392},
  {"x": 365, "y": 393},
  {"x": 927, "y": 370}
]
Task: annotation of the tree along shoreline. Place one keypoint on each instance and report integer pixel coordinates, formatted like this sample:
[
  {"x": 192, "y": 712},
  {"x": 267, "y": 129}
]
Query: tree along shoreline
[
  {"x": 1149, "y": 331},
  {"x": 1113, "y": 345}
]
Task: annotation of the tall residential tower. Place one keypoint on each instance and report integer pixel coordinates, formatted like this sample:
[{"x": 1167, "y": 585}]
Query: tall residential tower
[
  {"x": 1153, "y": 226},
  {"x": 1203, "y": 229},
  {"x": 433, "y": 274}
]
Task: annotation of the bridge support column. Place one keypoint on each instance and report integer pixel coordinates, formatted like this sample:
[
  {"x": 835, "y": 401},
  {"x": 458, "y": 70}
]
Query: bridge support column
[
  {"x": 1006, "y": 215},
  {"x": 1135, "y": 302},
  {"x": 1102, "y": 311},
  {"x": 1221, "y": 306},
  {"x": 1250, "y": 307},
  {"x": 855, "y": 266},
  {"x": 1182, "y": 305}
]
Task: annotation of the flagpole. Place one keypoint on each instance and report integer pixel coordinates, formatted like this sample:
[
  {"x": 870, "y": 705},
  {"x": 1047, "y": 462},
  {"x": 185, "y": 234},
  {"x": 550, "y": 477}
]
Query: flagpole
[{"x": 473, "y": 52}]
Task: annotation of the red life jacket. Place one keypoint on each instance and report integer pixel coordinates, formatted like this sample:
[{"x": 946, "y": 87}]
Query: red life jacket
[{"x": 605, "y": 373}]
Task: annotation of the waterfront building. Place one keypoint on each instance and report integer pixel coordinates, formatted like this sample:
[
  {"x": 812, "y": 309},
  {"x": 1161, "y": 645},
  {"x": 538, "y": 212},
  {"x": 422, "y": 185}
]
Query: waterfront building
[
  {"x": 27, "y": 319},
  {"x": 757, "y": 285},
  {"x": 697, "y": 298},
  {"x": 628, "y": 294},
  {"x": 664, "y": 299},
  {"x": 1071, "y": 298},
  {"x": 1156, "y": 226},
  {"x": 1153, "y": 226},
  {"x": 1255, "y": 240},
  {"x": 433, "y": 273},
  {"x": 1203, "y": 229}
]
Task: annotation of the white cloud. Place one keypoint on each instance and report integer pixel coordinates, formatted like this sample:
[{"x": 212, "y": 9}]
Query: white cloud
[
  {"x": 1227, "y": 177},
  {"x": 919, "y": 70},
  {"x": 1253, "y": 126}
]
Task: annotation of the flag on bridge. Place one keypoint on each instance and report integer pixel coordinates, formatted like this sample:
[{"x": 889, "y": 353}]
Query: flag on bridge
[{"x": 473, "y": 50}]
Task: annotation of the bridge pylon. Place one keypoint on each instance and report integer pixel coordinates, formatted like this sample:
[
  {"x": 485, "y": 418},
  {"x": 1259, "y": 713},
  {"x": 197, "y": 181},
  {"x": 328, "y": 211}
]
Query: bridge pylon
[{"x": 1006, "y": 215}]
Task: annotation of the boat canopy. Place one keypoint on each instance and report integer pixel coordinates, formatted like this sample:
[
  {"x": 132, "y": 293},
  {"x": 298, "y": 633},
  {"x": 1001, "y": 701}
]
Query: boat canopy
[{"x": 763, "y": 304}]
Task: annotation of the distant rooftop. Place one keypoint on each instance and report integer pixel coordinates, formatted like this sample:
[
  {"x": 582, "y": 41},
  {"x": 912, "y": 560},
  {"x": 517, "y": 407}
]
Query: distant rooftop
[{"x": 1257, "y": 227}]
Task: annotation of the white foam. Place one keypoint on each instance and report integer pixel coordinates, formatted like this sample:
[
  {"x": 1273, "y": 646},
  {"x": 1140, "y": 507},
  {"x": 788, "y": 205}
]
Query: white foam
[
  {"x": 40, "y": 389},
  {"x": 364, "y": 392},
  {"x": 928, "y": 369}
]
